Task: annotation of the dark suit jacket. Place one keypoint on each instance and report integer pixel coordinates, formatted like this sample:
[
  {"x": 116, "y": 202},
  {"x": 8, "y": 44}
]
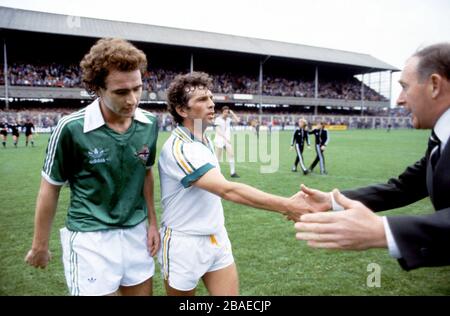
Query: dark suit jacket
[{"x": 423, "y": 240}]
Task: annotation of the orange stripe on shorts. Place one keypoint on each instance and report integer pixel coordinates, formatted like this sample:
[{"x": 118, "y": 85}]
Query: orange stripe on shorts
[{"x": 213, "y": 240}]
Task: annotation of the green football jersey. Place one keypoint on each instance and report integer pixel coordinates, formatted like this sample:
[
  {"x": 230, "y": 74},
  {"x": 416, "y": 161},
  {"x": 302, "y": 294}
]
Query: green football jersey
[{"x": 105, "y": 169}]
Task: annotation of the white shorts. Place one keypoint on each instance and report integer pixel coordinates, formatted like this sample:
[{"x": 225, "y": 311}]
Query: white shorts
[
  {"x": 97, "y": 263},
  {"x": 220, "y": 142},
  {"x": 184, "y": 258}
]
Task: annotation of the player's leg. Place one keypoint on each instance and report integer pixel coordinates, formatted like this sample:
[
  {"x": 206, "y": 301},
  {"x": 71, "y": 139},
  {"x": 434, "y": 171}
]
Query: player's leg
[
  {"x": 221, "y": 278},
  {"x": 4, "y": 139},
  {"x": 300, "y": 157},
  {"x": 294, "y": 166},
  {"x": 170, "y": 291},
  {"x": 219, "y": 153},
  {"x": 143, "y": 289},
  {"x": 316, "y": 161},
  {"x": 229, "y": 150},
  {"x": 230, "y": 157},
  {"x": 322, "y": 162},
  {"x": 223, "y": 282}
]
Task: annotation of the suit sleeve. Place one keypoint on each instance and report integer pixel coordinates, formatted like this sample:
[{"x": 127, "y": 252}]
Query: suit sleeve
[
  {"x": 408, "y": 188},
  {"x": 423, "y": 240}
]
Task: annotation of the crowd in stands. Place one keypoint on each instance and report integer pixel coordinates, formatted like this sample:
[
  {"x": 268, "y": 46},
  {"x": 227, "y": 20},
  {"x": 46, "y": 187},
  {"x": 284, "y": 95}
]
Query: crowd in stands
[
  {"x": 155, "y": 80},
  {"x": 52, "y": 75},
  {"x": 398, "y": 118}
]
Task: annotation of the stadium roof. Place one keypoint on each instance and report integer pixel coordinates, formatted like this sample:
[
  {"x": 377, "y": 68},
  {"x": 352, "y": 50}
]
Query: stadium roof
[{"x": 25, "y": 20}]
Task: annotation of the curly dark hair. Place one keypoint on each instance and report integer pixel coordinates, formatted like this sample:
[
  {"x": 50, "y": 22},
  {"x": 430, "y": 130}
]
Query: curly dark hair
[
  {"x": 106, "y": 55},
  {"x": 178, "y": 91}
]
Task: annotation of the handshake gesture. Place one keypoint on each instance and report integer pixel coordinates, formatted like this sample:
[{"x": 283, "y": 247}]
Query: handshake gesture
[{"x": 322, "y": 225}]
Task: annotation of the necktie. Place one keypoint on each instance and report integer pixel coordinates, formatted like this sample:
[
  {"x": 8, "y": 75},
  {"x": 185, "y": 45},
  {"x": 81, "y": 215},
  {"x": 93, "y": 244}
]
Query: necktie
[
  {"x": 434, "y": 147},
  {"x": 434, "y": 152}
]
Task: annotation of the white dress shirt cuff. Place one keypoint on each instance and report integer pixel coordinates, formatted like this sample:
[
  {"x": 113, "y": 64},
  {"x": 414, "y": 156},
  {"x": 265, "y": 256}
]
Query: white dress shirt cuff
[
  {"x": 392, "y": 245},
  {"x": 334, "y": 205}
]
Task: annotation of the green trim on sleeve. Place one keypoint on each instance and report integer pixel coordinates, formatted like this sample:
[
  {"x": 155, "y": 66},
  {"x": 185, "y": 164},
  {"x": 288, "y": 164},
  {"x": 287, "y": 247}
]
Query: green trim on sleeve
[{"x": 187, "y": 180}]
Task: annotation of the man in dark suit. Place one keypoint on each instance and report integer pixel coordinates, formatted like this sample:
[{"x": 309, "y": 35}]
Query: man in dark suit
[{"x": 416, "y": 240}]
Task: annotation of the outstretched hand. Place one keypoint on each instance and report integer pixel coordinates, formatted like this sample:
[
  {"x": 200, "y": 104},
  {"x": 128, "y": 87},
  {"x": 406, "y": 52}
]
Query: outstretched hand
[
  {"x": 318, "y": 201},
  {"x": 298, "y": 206},
  {"x": 307, "y": 201},
  {"x": 355, "y": 228}
]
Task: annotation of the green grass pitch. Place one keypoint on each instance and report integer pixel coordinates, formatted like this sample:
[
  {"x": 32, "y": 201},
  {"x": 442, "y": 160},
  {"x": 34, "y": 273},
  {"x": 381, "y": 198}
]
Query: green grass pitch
[{"x": 269, "y": 259}]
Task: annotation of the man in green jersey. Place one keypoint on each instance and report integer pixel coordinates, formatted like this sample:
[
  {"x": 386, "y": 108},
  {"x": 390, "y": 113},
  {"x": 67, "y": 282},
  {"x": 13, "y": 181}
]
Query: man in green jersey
[{"x": 105, "y": 153}]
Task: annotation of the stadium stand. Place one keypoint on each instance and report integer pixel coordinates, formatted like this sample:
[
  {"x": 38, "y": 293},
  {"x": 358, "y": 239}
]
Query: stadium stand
[
  {"x": 56, "y": 75},
  {"x": 272, "y": 82}
]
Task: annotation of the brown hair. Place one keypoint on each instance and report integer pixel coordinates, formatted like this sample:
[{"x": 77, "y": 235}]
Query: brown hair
[
  {"x": 434, "y": 59},
  {"x": 178, "y": 91},
  {"x": 106, "y": 55}
]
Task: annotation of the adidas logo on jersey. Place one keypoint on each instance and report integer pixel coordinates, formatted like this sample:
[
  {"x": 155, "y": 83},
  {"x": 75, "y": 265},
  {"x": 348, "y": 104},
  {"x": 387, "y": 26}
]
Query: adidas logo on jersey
[{"x": 97, "y": 156}]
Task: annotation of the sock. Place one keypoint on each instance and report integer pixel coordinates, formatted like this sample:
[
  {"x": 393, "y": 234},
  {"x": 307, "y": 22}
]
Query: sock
[
  {"x": 4, "y": 144},
  {"x": 232, "y": 170},
  {"x": 32, "y": 143},
  {"x": 26, "y": 143}
]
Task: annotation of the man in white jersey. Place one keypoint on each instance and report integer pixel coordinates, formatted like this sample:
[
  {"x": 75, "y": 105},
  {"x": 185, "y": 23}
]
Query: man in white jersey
[
  {"x": 223, "y": 137},
  {"x": 195, "y": 243},
  {"x": 105, "y": 153}
]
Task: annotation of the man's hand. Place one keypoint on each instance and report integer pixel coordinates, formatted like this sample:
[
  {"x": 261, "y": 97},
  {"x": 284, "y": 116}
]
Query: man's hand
[
  {"x": 318, "y": 200},
  {"x": 307, "y": 201},
  {"x": 355, "y": 228},
  {"x": 297, "y": 207},
  {"x": 153, "y": 240},
  {"x": 38, "y": 258}
]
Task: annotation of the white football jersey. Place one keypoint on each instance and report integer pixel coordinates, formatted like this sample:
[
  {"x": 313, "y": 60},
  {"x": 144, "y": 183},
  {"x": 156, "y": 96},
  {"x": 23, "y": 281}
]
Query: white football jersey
[{"x": 187, "y": 208}]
